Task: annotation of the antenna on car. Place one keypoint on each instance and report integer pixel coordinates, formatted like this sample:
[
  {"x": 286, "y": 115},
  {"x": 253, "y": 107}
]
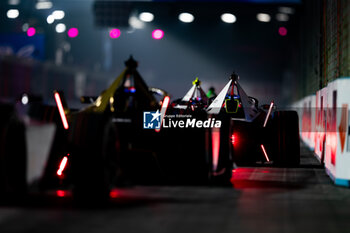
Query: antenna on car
[{"x": 234, "y": 76}]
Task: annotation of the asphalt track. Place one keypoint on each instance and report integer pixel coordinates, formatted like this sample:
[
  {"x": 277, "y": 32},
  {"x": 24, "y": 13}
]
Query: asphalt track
[{"x": 262, "y": 199}]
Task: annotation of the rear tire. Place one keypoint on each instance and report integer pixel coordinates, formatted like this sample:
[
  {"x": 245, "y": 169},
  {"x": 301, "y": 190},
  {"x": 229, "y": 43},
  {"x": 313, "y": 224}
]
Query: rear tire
[
  {"x": 12, "y": 154},
  {"x": 286, "y": 141},
  {"x": 223, "y": 173},
  {"x": 95, "y": 160},
  {"x": 183, "y": 155}
]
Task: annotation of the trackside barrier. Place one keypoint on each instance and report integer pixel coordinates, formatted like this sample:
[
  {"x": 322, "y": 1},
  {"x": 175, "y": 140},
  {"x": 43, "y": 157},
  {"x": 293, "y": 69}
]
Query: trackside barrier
[{"x": 324, "y": 123}]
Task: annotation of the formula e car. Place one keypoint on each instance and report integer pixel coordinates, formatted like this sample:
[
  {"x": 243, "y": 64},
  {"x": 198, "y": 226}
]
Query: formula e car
[
  {"x": 194, "y": 99},
  {"x": 233, "y": 129},
  {"x": 104, "y": 144},
  {"x": 258, "y": 133}
]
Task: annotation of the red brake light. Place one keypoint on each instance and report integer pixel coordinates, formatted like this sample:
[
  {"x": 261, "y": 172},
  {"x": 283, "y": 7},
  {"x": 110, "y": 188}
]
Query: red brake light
[
  {"x": 268, "y": 114},
  {"x": 114, "y": 193},
  {"x": 264, "y": 151},
  {"x": 233, "y": 139},
  {"x": 215, "y": 134},
  {"x": 62, "y": 165},
  {"x": 60, "y": 193},
  {"x": 61, "y": 110},
  {"x": 165, "y": 105}
]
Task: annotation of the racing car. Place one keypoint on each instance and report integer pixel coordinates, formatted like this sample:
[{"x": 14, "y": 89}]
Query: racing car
[
  {"x": 258, "y": 133},
  {"x": 237, "y": 132},
  {"x": 104, "y": 144},
  {"x": 107, "y": 144}
]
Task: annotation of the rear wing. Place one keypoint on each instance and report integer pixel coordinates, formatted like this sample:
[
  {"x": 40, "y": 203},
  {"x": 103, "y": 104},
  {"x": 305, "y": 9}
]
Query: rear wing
[{"x": 250, "y": 111}]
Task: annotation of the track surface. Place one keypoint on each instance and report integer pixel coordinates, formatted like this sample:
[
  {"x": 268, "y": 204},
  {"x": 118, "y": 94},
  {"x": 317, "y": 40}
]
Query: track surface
[{"x": 263, "y": 200}]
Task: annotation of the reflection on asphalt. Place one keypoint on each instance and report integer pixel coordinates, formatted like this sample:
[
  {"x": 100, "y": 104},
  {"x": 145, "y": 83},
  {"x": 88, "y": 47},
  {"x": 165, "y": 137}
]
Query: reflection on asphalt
[{"x": 263, "y": 199}]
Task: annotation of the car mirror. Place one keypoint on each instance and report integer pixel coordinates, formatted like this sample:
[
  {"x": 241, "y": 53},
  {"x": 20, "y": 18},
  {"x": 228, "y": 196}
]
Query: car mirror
[{"x": 87, "y": 99}]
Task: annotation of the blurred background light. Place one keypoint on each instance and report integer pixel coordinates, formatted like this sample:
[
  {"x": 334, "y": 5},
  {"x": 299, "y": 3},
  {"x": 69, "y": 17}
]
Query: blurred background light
[
  {"x": 25, "y": 27},
  {"x": 186, "y": 17},
  {"x": 60, "y": 28},
  {"x": 31, "y": 32},
  {"x": 136, "y": 23},
  {"x": 14, "y": 2},
  {"x": 282, "y": 17},
  {"x": 282, "y": 31},
  {"x": 157, "y": 34},
  {"x": 73, "y": 32},
  {"x": 25, "y": 99},
  {"x": 50, "y": 19},
  {"x": 146, "y": 17},
  {"x": 114, "y": 33},
  {"x": 12, "y": 13},
  {"x": 228, "y": 18},
  {"x": 184, "y": 41},
  {"x": 42, "y": 5},
  {"x": 263, "y": 17},
  {"x": 286, "y": 10},
  {"x": 58, "y": 14}
]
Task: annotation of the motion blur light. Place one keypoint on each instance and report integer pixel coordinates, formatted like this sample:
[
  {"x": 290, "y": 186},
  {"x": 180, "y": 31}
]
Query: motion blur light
[
  {"x": 13, "y": 2},
  {"x": 73, "y": 32},
  {"x": 114, "y": 33},
  {"x": 31, "y": 32},
  {"x": 60, "y": 28},
  {"x": 25, "y": 27},
  {"x": 262, "y": 17},
  {"x": 282, "y": 17},
  {"x": 146, "y": 17},
  {"x": 186, "y": 17},
  {"x": 282, "y": 31},
  {"x": 136, "y": 23},
  {"x": 12, "y": 13},
  {"x": 157, "y": 34},
  {"x": 58, "y": 14},
  {"x": 25, "y": 99},
  {"x": 50, "y": 19},
  {"x": 228, "y": 18},
  {"x": 43, "y": 5},
  {"x": 286, "y": 10}
]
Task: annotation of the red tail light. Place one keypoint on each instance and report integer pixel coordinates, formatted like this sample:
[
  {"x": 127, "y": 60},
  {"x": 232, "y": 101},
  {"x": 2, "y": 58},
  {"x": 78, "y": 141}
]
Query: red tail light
[
  {"x": 264, "y": 151},
  {"x": 61, "y": 110},
  {"x": 114, "y": 193},
  {"x": 60, "y": 193},
  {"x": 165, "y": 105},
  {"x": 268, "y": 114},
  {"x": 215, "y": 134},
  {"x": 62, "y": 166},
  {"x": 233, "y": 139}
]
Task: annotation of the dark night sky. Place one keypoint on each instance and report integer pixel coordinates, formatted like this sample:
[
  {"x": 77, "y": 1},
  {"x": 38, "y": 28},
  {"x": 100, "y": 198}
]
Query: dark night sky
[{"x": 206, "y": 48}]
